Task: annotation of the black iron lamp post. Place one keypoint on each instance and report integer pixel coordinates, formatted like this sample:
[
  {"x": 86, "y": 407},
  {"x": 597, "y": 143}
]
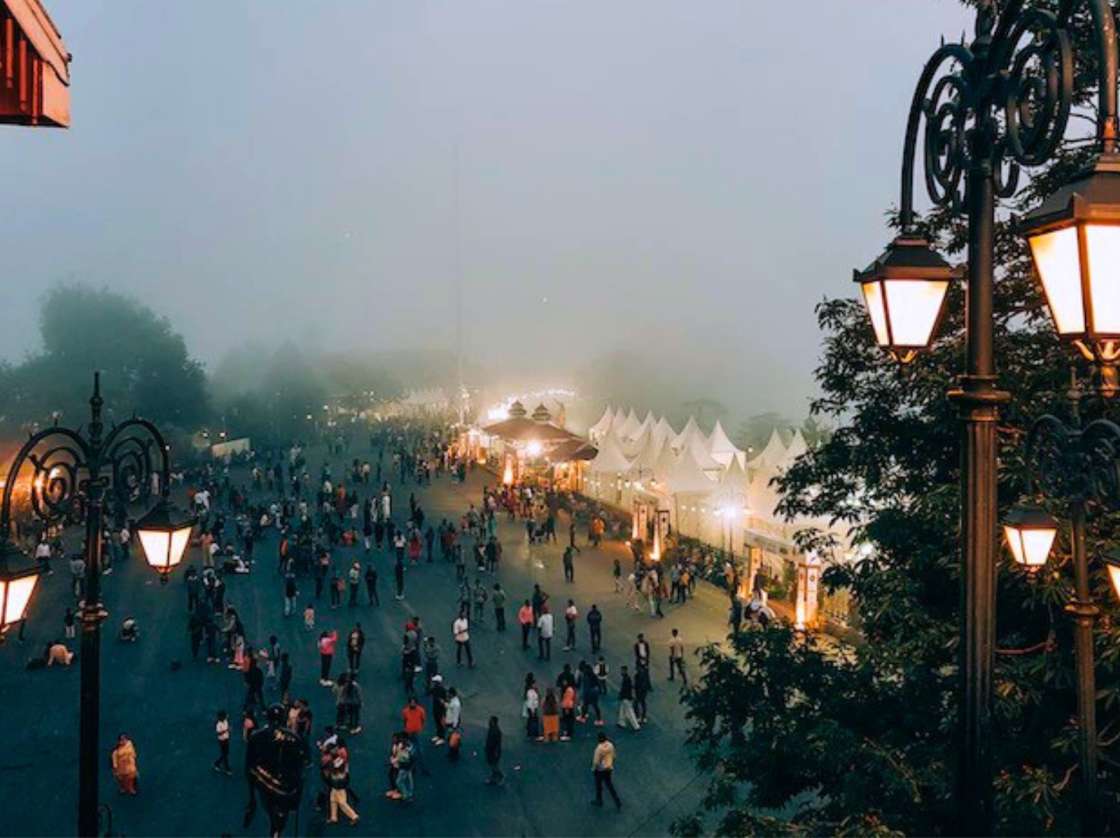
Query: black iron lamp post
[
  {"x": 1074, "y": 466},
  {"x": 990, "y": 107},
  {"x": 67, "y": 471}
]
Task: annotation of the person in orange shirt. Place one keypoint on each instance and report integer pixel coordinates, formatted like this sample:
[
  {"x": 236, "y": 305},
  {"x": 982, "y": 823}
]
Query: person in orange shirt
[
  {"x": 525, "y": 618},
  {"x": 124, "y": 765},
  {"x": 414, "y": 717}
]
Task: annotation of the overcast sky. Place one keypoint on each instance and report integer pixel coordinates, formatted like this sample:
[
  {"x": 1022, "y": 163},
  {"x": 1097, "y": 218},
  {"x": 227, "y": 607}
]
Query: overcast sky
[{"x": 686, "y": 178}]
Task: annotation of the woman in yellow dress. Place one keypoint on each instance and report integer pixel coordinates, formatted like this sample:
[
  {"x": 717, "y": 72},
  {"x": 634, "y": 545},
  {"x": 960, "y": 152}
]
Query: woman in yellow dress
[{"x": 124, "y": 765}]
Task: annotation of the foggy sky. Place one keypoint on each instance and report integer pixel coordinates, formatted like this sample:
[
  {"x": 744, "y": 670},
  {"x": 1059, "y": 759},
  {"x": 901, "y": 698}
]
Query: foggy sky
[{"x": 682, "y": 178}]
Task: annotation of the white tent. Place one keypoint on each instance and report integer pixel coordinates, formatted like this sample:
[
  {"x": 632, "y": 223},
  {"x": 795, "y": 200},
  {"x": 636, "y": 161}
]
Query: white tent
[
  {"x": 632, "y": 447},
  {"x": 603, "y": 426},
  {"x": 688, "y": 475},
  {"x": 645, "y": 462},
  {"x": 666, "y": 461},
  {"x": 772, "y": 456},
  {"x": 649, "y": 422},
  {"x": 663, "y": 431},
  {"x": 631, "y": 427},
  {"x": 797, "y": 447},
  {"x": 688, "y": 432},
  {"x": 610, "y": 459},
  {"x": 721, "y": 447}
]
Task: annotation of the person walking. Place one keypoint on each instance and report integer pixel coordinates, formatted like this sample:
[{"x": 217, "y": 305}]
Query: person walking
[
  {"x": 602, "y": 766},
  {"x": 498, "y": 598},
  {"x": 531, "y": 707},
  {"x": 641, "y": 652},
  {"x": 371, "y": 585},
  {"x": 642, "y": 689},
  {"x": 354, "y": 577},
  {"x": 494, "y": 753},
  {"x": 595, "y": 627},
  {"x": 284, "y": 677},
  {"x": 414, "y": 718},
  {"x": 571, "y": 614},
  {"x": 355, "y": 642},
  {"x": 626, "y": 716},
  {"x": 254, "y": 683},
  {"x": 526, "y": 620},
  {"x": 676, "y": 656},
  {"x": 126, "y": 769},
  {"x": 290, "y": 593},
  {"x": 327, "y": 642},
  {"x": 398, "y": 577},
  {"x": 221, "y": 730},
  {"x": 569, "y": 564},
  {"x": 461, "y": 630},
  {"x": 544, "y": 634},
  {"x": 337, "y": 775}
]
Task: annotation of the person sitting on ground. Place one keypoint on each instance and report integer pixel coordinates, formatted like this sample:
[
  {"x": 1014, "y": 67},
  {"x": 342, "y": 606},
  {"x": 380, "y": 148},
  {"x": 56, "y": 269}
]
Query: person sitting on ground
[
  {"x": 58, "y": 654},
  {"x": 130, "y": 630}
]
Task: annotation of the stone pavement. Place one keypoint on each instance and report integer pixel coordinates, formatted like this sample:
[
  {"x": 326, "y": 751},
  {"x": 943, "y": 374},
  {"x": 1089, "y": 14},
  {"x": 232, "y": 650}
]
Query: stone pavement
[{"x": 169, "y": 714}]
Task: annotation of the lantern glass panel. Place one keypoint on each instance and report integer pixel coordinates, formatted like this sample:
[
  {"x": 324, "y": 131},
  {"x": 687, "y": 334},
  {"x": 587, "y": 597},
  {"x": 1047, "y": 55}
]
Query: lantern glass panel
[
  {"x": 913, "y": 305},
  {"x": 1114, "y": 578},
  {"x": 1029, "y": 547},
  {"x": 16, "y": 598},
  {"x": 1102, "y": 243},
  {"x": 1058, "y": 260},
  {"x": 873, "y": 299}
]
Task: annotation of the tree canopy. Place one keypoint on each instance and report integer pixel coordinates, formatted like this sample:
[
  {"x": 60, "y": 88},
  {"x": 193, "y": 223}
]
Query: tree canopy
[{"x": 144, "y": 363}]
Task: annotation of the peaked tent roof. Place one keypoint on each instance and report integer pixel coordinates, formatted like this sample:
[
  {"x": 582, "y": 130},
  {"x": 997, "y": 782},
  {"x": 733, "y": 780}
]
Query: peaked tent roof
[
  {"x": 688, "y": 476},
  {"x": 610, "y": 457},
  {"x": 666, "y": 460},
  {"x": 650, "y": 421},
  {"x": 720, "y": 447},
  {"x": 772, "y": 455},
  {"x": 633, "y": 447},
  {"x": 687, "y": 432},
  {"x": 647, "y": 456},
  {"x": 604, "y": 424},
  {"x": 631, "y": 427},
  {"x": 797, "y": 447},
  {"x": 663, "y": 431}
]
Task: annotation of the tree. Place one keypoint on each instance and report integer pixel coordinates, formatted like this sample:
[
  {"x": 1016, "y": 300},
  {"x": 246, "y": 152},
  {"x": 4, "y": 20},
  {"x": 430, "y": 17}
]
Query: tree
[
  {"x": 800, "y": 740},
  {"x": 145, "y": 365}
]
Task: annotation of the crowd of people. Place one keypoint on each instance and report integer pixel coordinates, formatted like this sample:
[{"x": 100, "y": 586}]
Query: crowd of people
[{"x": 332, "y": 531}]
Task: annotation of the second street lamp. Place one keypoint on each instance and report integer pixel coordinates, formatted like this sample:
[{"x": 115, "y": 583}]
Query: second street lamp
[
  {"x": 70, "y": 471},
  {"x": 1075, "y": 466},
  {"x": 990, "y": 107}
]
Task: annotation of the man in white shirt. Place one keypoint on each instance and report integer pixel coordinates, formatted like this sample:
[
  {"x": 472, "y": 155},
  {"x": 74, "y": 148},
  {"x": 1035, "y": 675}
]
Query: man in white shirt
[
  {"x": 461, "y": 629},
  {"x": 43, "y": 555},
  {"x": 544, "y": 634}
]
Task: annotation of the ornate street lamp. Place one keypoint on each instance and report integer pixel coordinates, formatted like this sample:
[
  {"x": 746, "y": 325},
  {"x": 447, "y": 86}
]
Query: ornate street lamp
[
  {"x": 164, "y": 535},
  {"x": 1074, "y": 237},
  {"x": 71, "y": 472},
  {"x": 990, "y": 107},
  {"x": 1075, "y": 466},
  {"x": 1030, "y": 531},
  {"x": 904, "y": 291}
]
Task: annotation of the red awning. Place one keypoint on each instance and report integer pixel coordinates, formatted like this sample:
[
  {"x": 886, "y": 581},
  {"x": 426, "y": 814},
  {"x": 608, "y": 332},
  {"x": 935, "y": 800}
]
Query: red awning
[{"x": 34, "y": 67}]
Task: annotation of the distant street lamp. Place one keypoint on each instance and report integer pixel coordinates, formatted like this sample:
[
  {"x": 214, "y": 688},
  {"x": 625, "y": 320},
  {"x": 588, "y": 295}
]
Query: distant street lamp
[
  {"x": 1074, "y": 466},
  {"x": 71, "y": 471},
  {"x": 990, "y": 107}
]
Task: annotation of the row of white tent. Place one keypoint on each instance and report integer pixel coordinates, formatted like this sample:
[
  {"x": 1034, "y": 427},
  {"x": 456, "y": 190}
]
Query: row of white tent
[{"x": 709, "y": 484}]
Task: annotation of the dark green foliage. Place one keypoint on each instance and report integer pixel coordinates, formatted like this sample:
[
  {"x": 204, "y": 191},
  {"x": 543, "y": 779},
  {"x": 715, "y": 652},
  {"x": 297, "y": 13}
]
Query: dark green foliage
[{"x": 144, "y": 363}]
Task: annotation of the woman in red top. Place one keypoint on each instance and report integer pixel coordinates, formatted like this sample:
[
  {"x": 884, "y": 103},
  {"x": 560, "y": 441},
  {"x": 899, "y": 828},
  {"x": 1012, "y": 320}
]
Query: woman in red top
[
  {"x": 327, "y": 641},
  {"x": 414, "y": 548}
]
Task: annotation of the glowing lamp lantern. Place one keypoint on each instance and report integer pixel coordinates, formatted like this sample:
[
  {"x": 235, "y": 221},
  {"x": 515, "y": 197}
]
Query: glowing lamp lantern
[
  {"x": 16, "y": 587},
  {"x": 164, "y": 535},
  {"x": 1112, "y": 565},
  {"x": 904, "y": 291},
  {"x": 1030, "y": 531},
  {"x": 507, "y": 475},
  {"x": 534, "y": 448},
  {"x": 1074, "y": 236}
]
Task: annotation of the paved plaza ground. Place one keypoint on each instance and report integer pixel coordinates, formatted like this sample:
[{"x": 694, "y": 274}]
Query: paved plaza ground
[{"x": 169, "y": 714}]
